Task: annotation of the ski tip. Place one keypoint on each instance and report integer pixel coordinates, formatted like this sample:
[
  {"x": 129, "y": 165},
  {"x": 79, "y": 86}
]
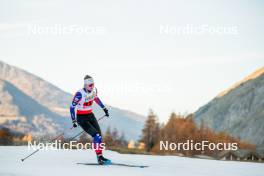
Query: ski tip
[{"x": 22, "y": 160}]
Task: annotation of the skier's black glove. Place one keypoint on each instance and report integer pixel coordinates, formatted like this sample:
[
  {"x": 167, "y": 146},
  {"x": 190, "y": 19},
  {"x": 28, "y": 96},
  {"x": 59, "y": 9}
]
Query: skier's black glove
[
  {"x": 74, "y": 124},
  {"x": 106, "y": 112}
]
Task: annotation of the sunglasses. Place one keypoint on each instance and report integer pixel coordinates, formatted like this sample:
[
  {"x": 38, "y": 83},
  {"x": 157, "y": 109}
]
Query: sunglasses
[{"x": 90, "y": 85}]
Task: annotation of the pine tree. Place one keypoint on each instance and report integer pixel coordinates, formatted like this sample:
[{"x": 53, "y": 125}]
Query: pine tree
[{"x": 150, "y": 132}]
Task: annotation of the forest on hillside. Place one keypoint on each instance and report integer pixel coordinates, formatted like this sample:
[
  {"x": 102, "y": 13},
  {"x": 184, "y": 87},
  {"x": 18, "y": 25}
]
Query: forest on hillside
[{"x": 180, "y": 129}]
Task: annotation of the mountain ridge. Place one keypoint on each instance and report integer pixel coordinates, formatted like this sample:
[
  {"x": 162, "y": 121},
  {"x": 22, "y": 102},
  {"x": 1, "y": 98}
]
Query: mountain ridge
[
  {"x": 239, "y": 111},
  {"x": 253, "y": 75}
]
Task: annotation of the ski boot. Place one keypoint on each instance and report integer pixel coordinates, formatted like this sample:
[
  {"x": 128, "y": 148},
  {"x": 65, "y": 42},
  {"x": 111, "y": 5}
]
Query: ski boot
[{"x": 102, "y": 160}]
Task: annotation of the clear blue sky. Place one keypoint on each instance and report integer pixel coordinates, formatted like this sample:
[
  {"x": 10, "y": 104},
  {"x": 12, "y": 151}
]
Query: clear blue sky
[{"x": 136, "y": 65}]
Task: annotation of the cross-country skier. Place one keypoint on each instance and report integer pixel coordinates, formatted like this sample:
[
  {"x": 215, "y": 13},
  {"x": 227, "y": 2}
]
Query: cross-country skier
[{"x": 83, "y": 101}]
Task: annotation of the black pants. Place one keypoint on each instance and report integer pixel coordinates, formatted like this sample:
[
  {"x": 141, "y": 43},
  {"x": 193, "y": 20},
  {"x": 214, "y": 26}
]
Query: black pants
[{"x": 89, "y": 123}]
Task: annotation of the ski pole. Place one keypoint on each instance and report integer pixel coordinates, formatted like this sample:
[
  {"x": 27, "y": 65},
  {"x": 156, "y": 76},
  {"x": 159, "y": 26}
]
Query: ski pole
[
  {"x": 23, "y": 159},
  {"x": 101, "y": 118},
  {"x": 76, "y": 135}
]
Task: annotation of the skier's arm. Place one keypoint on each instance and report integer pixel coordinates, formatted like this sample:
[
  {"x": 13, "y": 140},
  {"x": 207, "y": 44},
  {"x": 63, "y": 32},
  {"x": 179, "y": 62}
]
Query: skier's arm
[
  {"x": 77, "y": 98},
  {"x": 100, "y": 103}
]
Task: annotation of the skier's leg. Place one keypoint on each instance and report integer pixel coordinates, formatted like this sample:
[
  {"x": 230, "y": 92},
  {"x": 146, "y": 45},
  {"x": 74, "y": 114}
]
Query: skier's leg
[
  {"x": 87, "y": 124},
  {"x": 91, "y": 126},
  {"x": 84, "y": 122},
  {"x": 97, "y": 140}
]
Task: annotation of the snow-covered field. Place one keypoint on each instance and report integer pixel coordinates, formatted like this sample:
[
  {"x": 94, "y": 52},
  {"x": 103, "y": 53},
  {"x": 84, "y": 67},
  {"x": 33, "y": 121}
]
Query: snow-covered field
[{"x": 62, "y": 162}]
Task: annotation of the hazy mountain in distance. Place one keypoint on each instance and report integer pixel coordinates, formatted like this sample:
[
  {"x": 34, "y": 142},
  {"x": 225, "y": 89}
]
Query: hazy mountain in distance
[
  {"x": 32, "y": 105},
  {"x": 21, "y": 113},
  {"x": 35, "y": 87},
  {"x": 238, "y": 110}
]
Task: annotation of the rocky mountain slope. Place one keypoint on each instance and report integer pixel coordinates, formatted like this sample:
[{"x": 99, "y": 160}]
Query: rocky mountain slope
[
  {"x": 29, "y": 104},
  {"x": 238, "y": 110}
]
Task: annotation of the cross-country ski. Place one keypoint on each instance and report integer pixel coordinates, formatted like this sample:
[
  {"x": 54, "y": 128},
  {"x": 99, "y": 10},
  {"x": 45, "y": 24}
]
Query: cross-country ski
[{"x": 114, "y": 164}]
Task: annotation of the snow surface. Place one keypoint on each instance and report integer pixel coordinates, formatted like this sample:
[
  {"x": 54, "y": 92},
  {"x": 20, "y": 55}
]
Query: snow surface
[{"x": 63, "y": 162}]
